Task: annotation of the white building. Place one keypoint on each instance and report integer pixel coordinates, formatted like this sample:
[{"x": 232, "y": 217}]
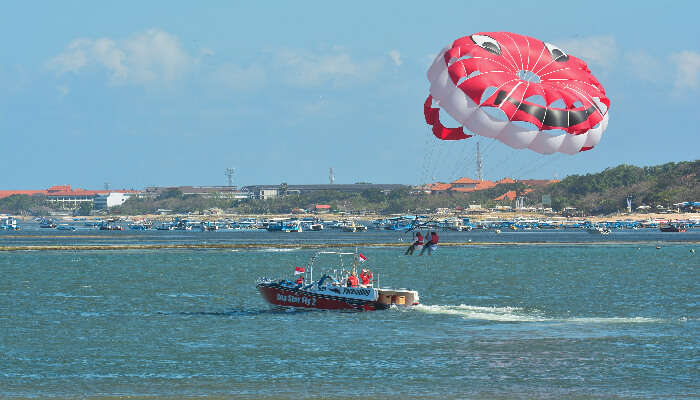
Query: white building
[{"x": 103, "y": 201}]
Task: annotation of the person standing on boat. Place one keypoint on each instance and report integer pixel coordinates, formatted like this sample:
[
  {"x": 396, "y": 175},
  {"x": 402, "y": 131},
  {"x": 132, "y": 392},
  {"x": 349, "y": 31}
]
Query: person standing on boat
[
  {"x": 352, "y": 280},
  {"x": 432, "y": 243},
  {"x": 366, "y": 277},
  {"x": 418, "y": 243},
  {"x": 300, "y": 280}
]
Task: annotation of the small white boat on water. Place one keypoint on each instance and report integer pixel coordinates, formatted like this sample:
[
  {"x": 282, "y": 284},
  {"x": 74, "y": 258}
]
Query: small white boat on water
[
  {"x": 598, "y": 230},
  {"x": 352, "y": 226},
  {"x": 331, "y": 292}
]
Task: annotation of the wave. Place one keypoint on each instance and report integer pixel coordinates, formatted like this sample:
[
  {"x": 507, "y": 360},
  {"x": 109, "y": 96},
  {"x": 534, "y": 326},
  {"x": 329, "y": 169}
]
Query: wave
[
  {"x": 516, "y": 314},
  {"x": 503, "y": 314},
  {"x": 190, "y": 295},
  {"x": 70, "y": 296}
]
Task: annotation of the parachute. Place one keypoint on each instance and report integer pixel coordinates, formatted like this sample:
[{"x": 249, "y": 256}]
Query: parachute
[{"x": 519, "y": 90}]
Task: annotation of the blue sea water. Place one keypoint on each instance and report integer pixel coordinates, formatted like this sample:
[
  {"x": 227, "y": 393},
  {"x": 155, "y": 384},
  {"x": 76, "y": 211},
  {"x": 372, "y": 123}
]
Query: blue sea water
[{"x": 549, "y": 315}]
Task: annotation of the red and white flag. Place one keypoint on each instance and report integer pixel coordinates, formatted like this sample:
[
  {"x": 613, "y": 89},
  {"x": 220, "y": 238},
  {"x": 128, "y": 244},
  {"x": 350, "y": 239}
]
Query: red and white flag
[
  {"x": 299, "y": 270},
  {"x": 362, "y": 258}
]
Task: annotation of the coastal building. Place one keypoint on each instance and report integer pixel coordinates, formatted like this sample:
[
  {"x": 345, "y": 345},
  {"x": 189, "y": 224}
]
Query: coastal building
[
  {"x": 322, "y": 208},
  {"x": 271, "y": 191},
  {"x": 108, "y": 200},
  {"x": 467, "y": 185},
  {"x": 210, "y": 192},
  {"x": 64, "y": 196},
  {"x": 509, "y": 195},
  {"x": 512, "y": 195}
]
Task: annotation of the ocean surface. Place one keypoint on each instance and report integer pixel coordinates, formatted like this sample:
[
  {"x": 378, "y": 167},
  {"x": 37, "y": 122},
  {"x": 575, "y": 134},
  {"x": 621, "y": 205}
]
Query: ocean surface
[{"x": 551, "y": 314}]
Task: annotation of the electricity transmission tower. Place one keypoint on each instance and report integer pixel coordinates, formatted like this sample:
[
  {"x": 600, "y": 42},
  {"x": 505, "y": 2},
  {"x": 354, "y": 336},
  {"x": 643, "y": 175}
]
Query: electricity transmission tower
[{"x": 229, "y": 175}]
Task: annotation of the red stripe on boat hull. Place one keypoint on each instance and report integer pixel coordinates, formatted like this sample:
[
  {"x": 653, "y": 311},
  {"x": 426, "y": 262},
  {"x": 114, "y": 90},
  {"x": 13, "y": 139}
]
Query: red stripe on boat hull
[{"x": 291, "y": 298}]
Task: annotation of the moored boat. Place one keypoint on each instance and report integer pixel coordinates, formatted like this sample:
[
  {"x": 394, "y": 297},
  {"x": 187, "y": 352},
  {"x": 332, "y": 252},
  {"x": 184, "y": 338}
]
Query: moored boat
[
  {"x": 111, "y": 227},
  {"x": 330, "y": 293},
  {"x": 673, "y": 227},
  {"x": 351, "y": 226},
  {"x": 65, "y": 227},
  {"x": 598, "y": 230},
  {"x": 9, "y": 224},
  {"x": 47, "y": 223}
]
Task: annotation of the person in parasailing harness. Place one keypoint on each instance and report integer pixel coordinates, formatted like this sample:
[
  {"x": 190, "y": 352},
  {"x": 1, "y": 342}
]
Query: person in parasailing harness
[
  {"x": 352, "y": 280},
  {"x": 417, "y": 244},
  {"x": 432, "y": 243}
]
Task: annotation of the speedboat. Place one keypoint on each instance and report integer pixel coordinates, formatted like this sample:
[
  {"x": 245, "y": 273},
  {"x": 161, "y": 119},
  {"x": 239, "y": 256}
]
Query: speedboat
[{"x": 330, "y": 292}]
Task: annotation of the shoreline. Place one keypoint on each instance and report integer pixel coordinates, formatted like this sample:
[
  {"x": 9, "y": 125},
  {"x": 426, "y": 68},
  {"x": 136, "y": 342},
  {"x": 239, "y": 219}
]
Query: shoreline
[
  {"x": 368, "y": 217},
  {"x": 320, "y": 245}
]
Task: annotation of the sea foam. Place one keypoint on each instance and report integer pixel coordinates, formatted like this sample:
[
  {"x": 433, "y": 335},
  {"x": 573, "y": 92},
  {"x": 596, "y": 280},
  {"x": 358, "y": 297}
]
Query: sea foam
[{"x": 516, "y": 314}]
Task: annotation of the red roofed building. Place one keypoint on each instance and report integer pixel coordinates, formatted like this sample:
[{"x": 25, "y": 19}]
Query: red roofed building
[
  {"x": 505, "y": 181},
  {"x": 8, "y": 193},
  {"x": 512, "y": 195},
  {"x": 64, "y": 196},
  {"x": 436, "y": 187},
  {"x": 465, "y": 185},
  {"x": 509, "y": 195},
  {"x": 322, "y": 208}
]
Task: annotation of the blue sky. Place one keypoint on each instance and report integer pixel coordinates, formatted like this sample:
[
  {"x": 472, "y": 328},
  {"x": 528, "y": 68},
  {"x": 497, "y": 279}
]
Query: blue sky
[{"x": 173, "y": 93}]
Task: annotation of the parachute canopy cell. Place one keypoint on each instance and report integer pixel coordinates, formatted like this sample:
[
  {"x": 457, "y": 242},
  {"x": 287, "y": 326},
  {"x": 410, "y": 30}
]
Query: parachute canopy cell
[{"x": 524, "y": 92}]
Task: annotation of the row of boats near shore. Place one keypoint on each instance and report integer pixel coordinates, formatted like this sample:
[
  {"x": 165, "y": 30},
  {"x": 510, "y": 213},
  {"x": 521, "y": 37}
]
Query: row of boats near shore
[{"x": 399, "y": 223}]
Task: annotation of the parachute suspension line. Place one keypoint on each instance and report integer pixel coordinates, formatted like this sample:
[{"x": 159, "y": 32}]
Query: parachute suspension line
[
  {"x": 507, "y": 160},
  {"x": 461, "y": 160},
  {"x": 445, "y": 161},
  {"x": 543, "y": 161},
  {"x": 428, "y": 148}
]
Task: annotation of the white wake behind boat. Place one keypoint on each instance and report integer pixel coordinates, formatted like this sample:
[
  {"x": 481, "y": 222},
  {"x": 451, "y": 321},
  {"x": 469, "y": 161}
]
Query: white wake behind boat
[{"x": 330, "y": 292}]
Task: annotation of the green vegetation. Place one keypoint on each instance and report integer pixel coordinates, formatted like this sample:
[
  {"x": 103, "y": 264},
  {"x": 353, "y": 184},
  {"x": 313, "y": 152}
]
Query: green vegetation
[
  {"x": 606, "y": 192},
  {"x": 22, "y": 204},
  {"x": 84, "y": 209}
]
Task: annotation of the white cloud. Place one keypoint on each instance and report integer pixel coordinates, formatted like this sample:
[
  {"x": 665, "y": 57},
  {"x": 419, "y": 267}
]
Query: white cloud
[
  {"x": 157, "y": 57},
  {"x": 677, "y": 72},
  {"x": 153, "y": 56},
  {"x": 73, "y": 59},
  {"x": 644, "y": 66},
  {"x": 396, "y": 57},
  {"x": 302, "y": 68},
  {"x": 598, "y": 51},
  {"x": 687, "y": 65}
]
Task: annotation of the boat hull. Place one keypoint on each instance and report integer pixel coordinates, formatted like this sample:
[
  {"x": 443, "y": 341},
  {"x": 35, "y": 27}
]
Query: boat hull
[{"x": 284, "y": 296}]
